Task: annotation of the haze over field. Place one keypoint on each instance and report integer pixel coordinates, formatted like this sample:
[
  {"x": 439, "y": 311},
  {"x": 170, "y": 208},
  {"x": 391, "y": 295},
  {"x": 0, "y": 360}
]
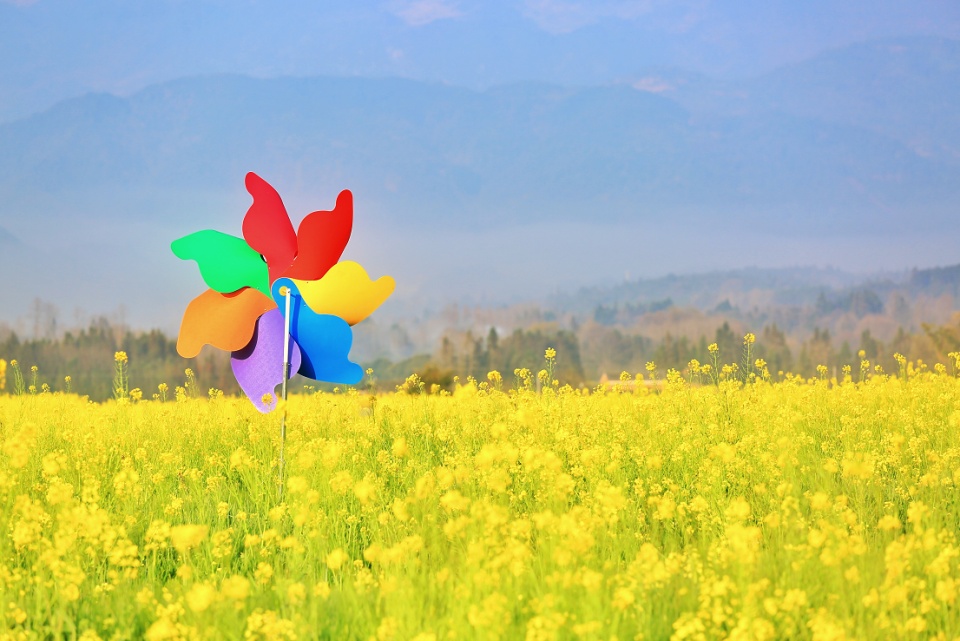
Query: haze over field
[{"x": 496, "y": 153}]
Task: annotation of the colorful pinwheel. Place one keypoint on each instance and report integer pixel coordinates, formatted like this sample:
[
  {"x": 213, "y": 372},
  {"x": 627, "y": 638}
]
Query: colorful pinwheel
[{"x": 244, "y": 310}]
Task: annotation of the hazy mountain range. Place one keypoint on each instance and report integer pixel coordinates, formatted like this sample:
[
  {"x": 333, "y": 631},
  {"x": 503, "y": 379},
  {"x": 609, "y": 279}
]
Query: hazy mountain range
[
  {"x": 56, "y": 49},
  {"x": 851, "y": 158}
]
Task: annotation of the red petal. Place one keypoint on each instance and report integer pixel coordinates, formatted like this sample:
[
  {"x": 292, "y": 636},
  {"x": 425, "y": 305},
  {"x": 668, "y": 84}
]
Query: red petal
[
  {"x": 267, "y": 227},
  {"x": 321, "y": 239}
]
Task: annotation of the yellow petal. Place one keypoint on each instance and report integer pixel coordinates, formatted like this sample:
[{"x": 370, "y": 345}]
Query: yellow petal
[{"x": 345, "y": 291}]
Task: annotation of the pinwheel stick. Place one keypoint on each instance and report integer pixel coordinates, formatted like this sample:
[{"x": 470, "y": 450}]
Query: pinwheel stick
[{"x": 283, "y": 385}]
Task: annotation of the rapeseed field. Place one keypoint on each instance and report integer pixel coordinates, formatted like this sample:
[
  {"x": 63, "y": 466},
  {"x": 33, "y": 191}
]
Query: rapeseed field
[{"x": 703, "y": 505}]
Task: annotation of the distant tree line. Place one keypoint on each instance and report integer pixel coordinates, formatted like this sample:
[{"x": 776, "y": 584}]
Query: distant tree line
[
  {"x": 613, "y": 351},
  {"x": 587, "y": 357},
  {"x": 466, "y": 355},
  {"x": 617, "y": 314},
  {"x": 87, "y": 356}
]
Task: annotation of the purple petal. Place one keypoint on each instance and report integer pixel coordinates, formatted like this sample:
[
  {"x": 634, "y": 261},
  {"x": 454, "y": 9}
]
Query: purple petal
[{"x": 259, "y": 366}]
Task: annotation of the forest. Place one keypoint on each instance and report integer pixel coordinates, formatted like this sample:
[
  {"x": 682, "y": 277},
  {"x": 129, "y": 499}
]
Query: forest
[{"x": 586, "y": 356}]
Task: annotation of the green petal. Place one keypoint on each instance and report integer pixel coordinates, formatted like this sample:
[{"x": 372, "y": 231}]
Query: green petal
[{"x": 227, "y": 263}]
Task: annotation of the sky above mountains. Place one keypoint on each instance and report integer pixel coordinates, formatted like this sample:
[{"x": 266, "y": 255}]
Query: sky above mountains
[
  {"x": 534, "y": 146},
  {"x": 55, "y": 49}
]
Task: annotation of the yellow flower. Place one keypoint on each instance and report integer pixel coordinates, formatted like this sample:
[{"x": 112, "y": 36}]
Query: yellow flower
[
  {"x": 819, "y": 501},
  {"x": 666, "y": 507},
  {"x": 454, "y": 501},
  {"x": 387, "y": 629},
  {"x": 120, "y": 357},
  {"x": 268, "y": 625},
  {"x": 200, "y": 596},
  {"x": 623, "y": 598},
  {"x": 946, "y": 590},
  {"x": 322, "y": 590},
  {"x": 365, "y": 490},
  {"x": 336, "y": 559},
  {"x": 296, "y": 593},
  {"x": 187, "y": 537},
  {"x": 341, "y": 482},
  {"x": 916, "y": 511},
  {"x": 399, "y": 509},
  {"x": 400, "y": 447},
  {"x": 70, "y": 592},
  {"x": 298, "y": 484},
  {"x": 263, "y": 573},
  {"x": 550, "y": 354},
  {"x": 738, "y": 510},
  {"x": 161, "y": 630},
  {"x": 235, "y": 587}
]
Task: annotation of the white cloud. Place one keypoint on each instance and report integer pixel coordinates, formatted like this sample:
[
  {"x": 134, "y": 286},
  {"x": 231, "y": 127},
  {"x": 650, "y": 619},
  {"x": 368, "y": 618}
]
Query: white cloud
[
  {"x": 566, "y": 16},
  {"x": 417, "y": 13}
]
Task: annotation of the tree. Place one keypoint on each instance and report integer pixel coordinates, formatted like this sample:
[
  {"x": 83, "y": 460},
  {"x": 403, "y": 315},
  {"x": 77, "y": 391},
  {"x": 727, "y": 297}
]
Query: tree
[
  {"x": 772, "y": 347},
  {"x": 871, "y": 347},
  {"x": 729, "y": 344}
]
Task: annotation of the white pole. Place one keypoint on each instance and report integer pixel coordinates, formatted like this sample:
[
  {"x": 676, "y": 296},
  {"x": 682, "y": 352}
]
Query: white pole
[{"x": 283, "y": 384}]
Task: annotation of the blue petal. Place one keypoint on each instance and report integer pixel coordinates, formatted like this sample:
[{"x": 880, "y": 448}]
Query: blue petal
[{"x": 324, "y": 340}]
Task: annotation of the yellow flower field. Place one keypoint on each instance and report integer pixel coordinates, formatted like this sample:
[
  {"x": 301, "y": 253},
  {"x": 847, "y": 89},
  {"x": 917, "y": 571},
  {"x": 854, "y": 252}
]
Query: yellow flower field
[{"x": 801, "y": 509}]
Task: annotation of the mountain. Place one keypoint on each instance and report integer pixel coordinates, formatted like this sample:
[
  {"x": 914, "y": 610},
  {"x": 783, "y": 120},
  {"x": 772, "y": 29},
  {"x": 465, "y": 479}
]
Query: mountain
[
  {"x": 902, "y": 88},
  {"x": 539, "y": 152},
  {"x": 516, "y": 191},
  {"x": 55, "y": 49},
  {"x": 796, "y": 286}
]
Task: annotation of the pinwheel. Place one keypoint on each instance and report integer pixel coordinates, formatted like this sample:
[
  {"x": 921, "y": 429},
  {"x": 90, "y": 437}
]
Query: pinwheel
[{"x": 274, "y": 268}]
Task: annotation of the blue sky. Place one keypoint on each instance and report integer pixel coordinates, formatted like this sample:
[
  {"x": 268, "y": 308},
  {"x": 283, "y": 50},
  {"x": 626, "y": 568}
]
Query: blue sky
[{"x": 56, "y": 49}]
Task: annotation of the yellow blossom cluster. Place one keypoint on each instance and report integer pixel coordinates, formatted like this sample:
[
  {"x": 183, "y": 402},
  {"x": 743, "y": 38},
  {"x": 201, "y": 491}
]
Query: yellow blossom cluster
[{"x": 799, "y": 509}]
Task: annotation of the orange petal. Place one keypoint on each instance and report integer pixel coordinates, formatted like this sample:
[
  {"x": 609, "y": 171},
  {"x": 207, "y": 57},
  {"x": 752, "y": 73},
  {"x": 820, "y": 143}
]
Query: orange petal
[
  {"x": 345, "y": 291},
  {"x": 226, "y": 321}
]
